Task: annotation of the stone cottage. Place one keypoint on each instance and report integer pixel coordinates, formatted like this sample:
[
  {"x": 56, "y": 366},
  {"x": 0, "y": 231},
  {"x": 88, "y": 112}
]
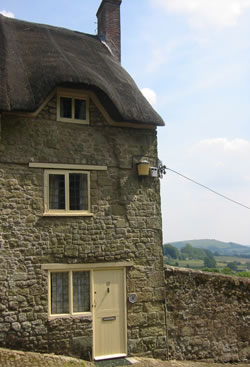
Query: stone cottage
[{"x": 81, "y": 269}]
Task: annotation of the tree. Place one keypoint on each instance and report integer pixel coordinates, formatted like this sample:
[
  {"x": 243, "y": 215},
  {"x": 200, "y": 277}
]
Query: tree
[
  {"x": 245, "y": 274},
  {"x": 198, "y": 253},
  {"x": 171, "y": 251},
  {"x": 209, "y": 262},
  {"x": 187, "y": 251},
  {"x": 232, "y": 265},
  {"x": 208, "y": 252},
  {"x": 190, "y": 252},
  {"x": 226, "y": 271}
]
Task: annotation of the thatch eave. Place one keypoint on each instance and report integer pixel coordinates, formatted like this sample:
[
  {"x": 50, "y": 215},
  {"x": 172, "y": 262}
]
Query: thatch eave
[{"x": 36, "y": 58}]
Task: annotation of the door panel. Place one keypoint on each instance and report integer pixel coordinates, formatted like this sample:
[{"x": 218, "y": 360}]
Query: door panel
[{"x": 109, "y": 314}]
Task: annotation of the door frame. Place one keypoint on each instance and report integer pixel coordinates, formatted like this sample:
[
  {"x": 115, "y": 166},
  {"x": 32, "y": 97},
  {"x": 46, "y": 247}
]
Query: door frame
[{"x": 123, "y": 268}]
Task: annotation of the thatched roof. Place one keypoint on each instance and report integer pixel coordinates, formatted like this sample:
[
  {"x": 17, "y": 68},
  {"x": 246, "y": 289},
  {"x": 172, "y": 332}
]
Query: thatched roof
[{"x": 35, "y": 58}]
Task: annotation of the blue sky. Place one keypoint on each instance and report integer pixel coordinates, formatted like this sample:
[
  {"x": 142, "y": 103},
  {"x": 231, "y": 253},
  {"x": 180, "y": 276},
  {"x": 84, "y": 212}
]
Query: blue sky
[{"x": 191, "y": 58}]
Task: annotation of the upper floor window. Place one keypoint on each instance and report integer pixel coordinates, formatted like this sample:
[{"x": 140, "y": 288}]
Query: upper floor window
[
  {"x": 72, "y": 107},
  {"x": 66, "y": 192}
]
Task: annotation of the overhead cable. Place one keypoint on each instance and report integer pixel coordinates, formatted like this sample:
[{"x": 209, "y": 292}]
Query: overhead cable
[{"x": 208, "y": 188}]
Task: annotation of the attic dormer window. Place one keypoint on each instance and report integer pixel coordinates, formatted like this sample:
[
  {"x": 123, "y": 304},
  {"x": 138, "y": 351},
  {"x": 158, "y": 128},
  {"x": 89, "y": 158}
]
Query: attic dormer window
[{"x": 72, "y": 107}]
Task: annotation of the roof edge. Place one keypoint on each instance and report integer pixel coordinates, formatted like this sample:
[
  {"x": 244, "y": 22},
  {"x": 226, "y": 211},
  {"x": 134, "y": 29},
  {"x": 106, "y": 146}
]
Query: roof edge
[{"x": 96, "y": 101}]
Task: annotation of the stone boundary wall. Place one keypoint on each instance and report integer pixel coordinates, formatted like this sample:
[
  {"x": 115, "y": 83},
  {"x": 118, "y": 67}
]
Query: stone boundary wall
[{"x": 208, "y": 316}]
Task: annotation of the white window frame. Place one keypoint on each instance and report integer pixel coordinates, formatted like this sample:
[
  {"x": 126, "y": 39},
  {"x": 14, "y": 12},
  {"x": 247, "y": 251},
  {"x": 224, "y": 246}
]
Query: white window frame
[
  {"x": 66, "y": 211},
  {"x": 72, "y": 94},
  {"x": 70, "y": 295}
]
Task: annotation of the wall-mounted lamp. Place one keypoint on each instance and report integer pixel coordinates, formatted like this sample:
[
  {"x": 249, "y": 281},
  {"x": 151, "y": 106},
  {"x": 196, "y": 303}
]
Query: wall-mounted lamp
[{"x": 143, "y": 168}]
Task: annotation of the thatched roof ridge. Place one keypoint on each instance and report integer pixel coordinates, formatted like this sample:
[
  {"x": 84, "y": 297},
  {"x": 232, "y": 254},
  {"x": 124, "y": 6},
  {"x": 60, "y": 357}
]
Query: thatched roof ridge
[{"x": 36, "y": 58}]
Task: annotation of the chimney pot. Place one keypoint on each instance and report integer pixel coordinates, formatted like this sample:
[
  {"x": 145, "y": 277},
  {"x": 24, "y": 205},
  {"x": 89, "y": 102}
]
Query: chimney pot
[{"x": 109, "y": 28}]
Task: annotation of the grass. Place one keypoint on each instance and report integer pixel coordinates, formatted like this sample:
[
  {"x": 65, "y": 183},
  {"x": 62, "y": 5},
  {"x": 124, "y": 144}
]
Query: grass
[
  {"x": 193, "y": 264},
  {"x": 231, "y": 259},
  {"x": 221, "y": 263}
]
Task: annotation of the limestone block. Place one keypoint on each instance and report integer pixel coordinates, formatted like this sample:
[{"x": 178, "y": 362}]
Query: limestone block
[
  {"x": 187, "y": 331},
  {"x": 26, "y": 325},
  {"x": 71, "y": 251},
  {"x": 149, "y": 331},
  {"x": 10, "y": 318},
  {"x": 137, "y": 319},
  {"x": 16, "y": 326},
  {"x": 135, "y": 346},
  {"x": 82, "y": 347},
  {"x": 152, "y": 307}
]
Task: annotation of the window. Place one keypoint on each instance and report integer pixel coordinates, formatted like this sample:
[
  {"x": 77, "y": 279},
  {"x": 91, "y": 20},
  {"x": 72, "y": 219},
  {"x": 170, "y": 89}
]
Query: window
[
  {"x": 69, "y": 292},
  {"x": 73, "y": 107},
  {"x": 67, "y": 192}
]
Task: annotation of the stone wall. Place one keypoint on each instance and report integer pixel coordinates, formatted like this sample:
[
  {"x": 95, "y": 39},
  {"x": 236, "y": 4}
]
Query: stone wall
[
  {"x": 208, "y": 315},
  {"x": 125, "y": 226}
]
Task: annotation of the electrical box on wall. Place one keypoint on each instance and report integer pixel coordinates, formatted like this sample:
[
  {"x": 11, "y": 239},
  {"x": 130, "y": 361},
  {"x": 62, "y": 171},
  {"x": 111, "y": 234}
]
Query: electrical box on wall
[{"x": 154, "y": 172}]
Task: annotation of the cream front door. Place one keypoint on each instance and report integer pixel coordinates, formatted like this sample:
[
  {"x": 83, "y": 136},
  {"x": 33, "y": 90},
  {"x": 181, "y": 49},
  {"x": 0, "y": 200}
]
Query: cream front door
[{"x": 109, "y": 313}]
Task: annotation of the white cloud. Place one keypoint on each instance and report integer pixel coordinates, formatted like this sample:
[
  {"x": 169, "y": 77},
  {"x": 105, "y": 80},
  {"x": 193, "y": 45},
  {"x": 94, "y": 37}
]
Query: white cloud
[
  {"x": 221, "y": 161},
  {"x": 150, "y": 95},
  {"x": 207, "y": 12},
  {"x": 7, "y": 13},
  {"x": 223, "y": 146}
]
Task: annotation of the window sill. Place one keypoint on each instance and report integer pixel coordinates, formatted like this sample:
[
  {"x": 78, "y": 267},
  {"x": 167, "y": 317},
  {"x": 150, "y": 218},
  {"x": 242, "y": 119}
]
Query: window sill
[
  {"x": 67, "y": 214},
  {"x": 72, "y": 121},
  {"x": 85, "y": 316}
]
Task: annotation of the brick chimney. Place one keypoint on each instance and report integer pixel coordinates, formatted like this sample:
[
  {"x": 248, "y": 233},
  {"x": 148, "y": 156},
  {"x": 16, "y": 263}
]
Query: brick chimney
[{"x": 109, "y": 30}]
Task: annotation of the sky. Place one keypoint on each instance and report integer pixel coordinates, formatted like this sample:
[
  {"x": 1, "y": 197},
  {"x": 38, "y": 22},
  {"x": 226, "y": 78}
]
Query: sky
[{"x": 191, "y": 59}]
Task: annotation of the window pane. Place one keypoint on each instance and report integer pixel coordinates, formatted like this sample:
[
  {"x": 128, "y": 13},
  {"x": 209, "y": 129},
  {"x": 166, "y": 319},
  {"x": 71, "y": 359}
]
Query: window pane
[
  {"x": 66, "y": 107},
  {"x": 59, "y": 293},
  {"x": 78, "y": 191},
  {"x": 56, "y": 191},
  {"x": 81, "y": 292},
  {"x": 80, "y": 109}
]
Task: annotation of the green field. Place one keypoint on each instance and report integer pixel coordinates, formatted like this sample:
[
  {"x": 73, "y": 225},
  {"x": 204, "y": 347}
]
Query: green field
[
  {"x": 194, "y": 264},
  {"x": 221, "y": 262},
  {"x": 231, "y": 259}
]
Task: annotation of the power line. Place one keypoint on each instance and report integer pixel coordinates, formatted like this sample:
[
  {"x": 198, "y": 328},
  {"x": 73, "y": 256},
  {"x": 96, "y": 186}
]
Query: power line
[{"x": 208, "y": 188}]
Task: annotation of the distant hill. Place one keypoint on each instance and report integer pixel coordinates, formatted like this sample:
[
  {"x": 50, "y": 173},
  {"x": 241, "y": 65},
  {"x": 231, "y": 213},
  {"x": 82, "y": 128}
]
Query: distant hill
[{"x": 223, "y": 248}]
